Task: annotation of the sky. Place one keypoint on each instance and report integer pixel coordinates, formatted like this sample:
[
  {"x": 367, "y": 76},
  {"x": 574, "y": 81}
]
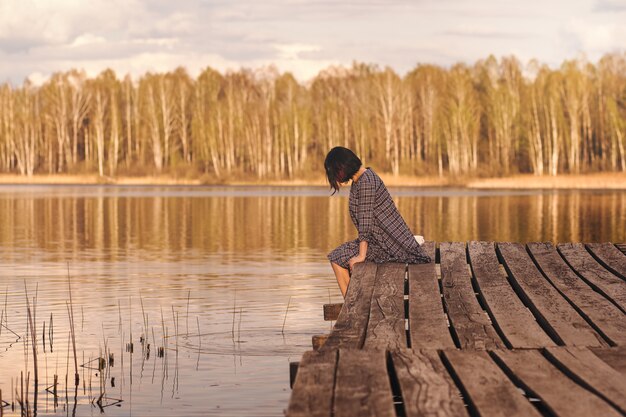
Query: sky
[{"x": 40, "y": 37}]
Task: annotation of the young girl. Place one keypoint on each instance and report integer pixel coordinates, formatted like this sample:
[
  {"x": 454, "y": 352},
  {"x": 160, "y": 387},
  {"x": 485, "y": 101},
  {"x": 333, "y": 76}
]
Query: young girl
[{"x": 383, "y": 234}]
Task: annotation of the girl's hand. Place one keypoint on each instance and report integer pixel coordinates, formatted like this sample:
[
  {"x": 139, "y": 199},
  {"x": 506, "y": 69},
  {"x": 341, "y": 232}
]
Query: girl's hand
[{"x": 355, "y": 260}]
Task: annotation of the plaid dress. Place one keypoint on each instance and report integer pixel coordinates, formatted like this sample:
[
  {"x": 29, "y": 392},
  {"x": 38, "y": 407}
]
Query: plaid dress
[{"x": 378, "y": 222}]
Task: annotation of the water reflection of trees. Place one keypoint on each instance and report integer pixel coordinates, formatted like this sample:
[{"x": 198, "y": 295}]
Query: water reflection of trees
[
  {"x": 119, "y": 226},
  {"x": 557, "y": 217}
]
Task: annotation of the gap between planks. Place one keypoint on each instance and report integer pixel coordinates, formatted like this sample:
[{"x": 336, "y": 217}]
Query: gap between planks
[{"x": 558, "y": 381}]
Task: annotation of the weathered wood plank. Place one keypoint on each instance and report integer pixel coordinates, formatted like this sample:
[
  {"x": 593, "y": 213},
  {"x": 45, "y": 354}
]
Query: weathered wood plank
[
  {"x": 558, "y": 392},
  {"x": 488, "y": 388},
  {"x": 313, "y": 390},
  {"x": 615, "y": 357},
  {"x": 470, "y": 322},
  {"x": 331, "y": 311},
  {"x": 318, "y": 340},
  {"x": 427, "y": 389},
  {"x": 555, "y": 315},
  {"x": 386, "y": 328},
  {"x": 362, "y": 384},
  {"x": 590, "y": 370},
  {"x": 349, "y": 330},
  {"x": 610, "y": 257},
  {"x": 593, "y": 273},
  {"x": 514, "y": 320},
  {"x": 608, "y": 319},
  {"x": 293, "y": 372},
  {"x": 428, "y": 325}
]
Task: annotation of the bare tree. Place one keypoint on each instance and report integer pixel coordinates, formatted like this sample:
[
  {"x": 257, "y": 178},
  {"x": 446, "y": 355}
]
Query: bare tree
[{"x": 485, "y": 118}]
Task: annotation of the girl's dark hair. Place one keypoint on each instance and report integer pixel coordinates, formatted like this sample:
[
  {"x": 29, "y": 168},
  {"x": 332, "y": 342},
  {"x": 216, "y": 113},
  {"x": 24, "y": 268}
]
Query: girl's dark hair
[{"x": 341, "y": 164}]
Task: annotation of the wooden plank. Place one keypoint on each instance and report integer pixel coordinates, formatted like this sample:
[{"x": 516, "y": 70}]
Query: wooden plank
[
  {"x": 427, "y": 388},
  {"x": 331, "y": 311},
  {"x": 605, "y": 316},
  {"x": 593, "y": 273},
  {"x": 487, "y": 387},
  {"x": 318, "y": 340},
  {"x": 349, "y": 330},
  {"x": 470, "y": 322},
  {"x": 615, "y": 357},
  {"x": 555, "y": 315},
  {"x": 610, "y": 257},
  {"x": 428, "y": 324},
  {"x": 557, "y": 391},
  {"x": 593, "y": 373},
  {"x": 313, "y": 390},
  {"x": 362, "y": 385},
  {"x": 515, "y": 321},
  {"x": 386, "y": 326},
  {"x": 293, "y": 373}
]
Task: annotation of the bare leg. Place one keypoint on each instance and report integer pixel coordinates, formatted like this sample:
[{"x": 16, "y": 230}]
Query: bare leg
[{"x": 343, "y": 278}]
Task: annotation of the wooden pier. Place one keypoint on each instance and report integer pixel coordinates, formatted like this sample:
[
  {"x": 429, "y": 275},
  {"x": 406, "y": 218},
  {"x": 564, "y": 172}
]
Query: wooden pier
[{"x": 486, "y": 330}]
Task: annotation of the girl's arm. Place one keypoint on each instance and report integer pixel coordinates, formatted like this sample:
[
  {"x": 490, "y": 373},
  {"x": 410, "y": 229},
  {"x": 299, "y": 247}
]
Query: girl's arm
[
  {"x": 361, "y": 256},
  {"x": 365, "y": 213},
  {"x": 365, "y": 219},
  {"x": 362, "y": 250}
]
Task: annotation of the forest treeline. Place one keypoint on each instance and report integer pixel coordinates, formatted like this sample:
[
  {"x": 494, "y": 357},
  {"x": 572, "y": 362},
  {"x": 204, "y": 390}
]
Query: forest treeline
[{"x": 490, "y": 118}]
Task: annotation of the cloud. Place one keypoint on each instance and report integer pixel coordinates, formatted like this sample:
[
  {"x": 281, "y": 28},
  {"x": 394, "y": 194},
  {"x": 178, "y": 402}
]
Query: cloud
[
  {"x": 594, "y": 39},
  {"x": 138, "y": 66},
  {"x": 294, "y": 50},
  {"x": 87, "y": 39},
  {"x": 609, "y": 6},
  {"x": 482, "y": 32},
  {"x": 39, "y": 37}
]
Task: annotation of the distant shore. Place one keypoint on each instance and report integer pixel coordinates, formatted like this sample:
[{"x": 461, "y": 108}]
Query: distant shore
[{"x": 609, "y": 181}]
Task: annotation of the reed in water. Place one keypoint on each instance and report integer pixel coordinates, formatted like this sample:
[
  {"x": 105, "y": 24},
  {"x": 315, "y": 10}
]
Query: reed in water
[
  {"x": 70, "y": 311},
  {"x": 97, "y": 371}
]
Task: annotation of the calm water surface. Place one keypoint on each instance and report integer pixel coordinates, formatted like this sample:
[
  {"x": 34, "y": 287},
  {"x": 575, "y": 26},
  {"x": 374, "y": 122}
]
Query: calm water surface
[{"x": 208, "y": 274}]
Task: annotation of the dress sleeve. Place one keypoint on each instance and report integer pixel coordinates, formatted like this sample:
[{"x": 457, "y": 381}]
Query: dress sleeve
[{"x": 365, "y": 210}]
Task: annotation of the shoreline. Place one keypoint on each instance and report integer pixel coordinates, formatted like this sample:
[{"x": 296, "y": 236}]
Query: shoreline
[{"x": 599, "y": 181}]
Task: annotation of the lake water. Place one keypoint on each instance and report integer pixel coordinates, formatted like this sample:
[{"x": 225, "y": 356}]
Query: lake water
[{"x": 229, "y": 281}]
